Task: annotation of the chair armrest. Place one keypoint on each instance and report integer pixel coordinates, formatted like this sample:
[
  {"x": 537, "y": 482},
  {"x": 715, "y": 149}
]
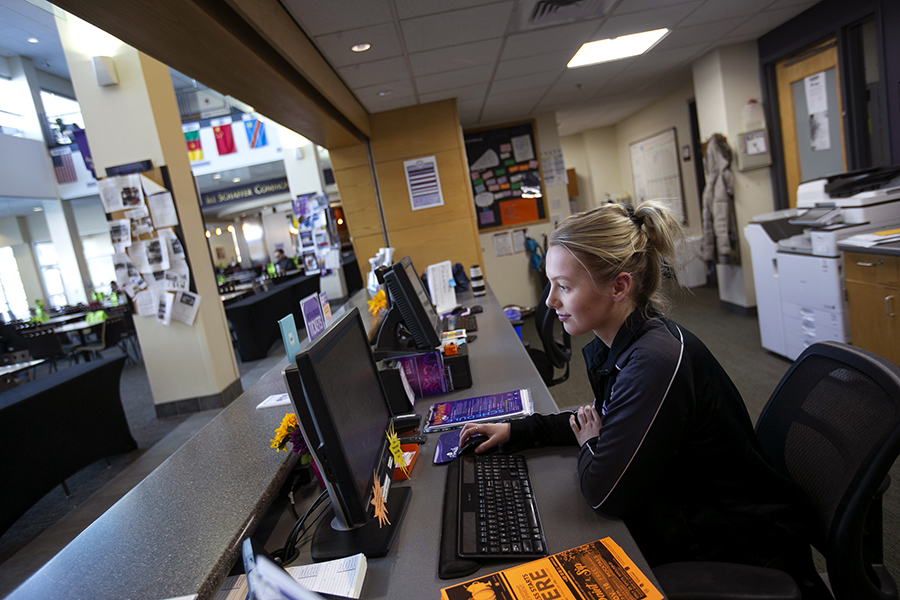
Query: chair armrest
[{"x": 724, "y": 581}]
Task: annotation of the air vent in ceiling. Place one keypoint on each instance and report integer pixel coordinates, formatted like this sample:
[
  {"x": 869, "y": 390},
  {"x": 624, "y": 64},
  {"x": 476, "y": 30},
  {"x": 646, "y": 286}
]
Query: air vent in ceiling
[{"x": 534, "y": 14}]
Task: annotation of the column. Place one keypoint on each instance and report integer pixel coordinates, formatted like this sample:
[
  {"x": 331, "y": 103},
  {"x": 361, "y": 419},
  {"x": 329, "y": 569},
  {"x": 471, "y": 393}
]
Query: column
[{"x": 189, "y": 368}]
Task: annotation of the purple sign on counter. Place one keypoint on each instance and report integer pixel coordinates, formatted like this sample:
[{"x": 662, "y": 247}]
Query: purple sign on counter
[{"x": 312, "y": 316}]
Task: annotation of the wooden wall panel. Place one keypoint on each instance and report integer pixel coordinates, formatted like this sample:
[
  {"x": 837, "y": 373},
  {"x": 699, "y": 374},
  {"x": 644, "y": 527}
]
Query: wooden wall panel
[
  {"x": 414, "y": 131},
  {"x": 349, "y": 156},
  {"x": 436, "y": 242},
  {"x": 358, "y": 200}
]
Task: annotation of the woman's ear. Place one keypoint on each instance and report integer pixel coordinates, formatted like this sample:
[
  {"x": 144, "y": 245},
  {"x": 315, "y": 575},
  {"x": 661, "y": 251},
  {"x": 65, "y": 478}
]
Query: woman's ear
[{"x": 621, "y": 287}]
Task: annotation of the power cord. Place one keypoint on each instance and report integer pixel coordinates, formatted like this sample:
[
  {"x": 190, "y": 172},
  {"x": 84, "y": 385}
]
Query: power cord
[{"x": 289, "y": 553}]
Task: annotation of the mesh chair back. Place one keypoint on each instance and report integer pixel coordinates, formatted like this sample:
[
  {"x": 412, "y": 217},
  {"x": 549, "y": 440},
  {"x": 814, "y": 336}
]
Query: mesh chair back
[
  {"x": 558, "y": 348},
  {"x": 116, "y": 329},
  {"x": 43, "y": 343},
  {"x": 832, "y": 426}
]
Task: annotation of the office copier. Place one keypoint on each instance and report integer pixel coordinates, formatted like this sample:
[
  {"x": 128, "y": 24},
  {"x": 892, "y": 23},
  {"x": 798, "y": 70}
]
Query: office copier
[{"x": 798, "y": 270}]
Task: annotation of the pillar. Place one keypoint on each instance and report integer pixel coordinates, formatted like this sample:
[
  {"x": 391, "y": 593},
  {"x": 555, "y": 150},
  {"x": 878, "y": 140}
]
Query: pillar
[{"x": 189, "y": 368}]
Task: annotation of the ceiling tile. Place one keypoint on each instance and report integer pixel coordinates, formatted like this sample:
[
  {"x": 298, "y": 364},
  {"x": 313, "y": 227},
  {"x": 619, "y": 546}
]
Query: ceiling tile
[
  {"x": 407, "y": 9},
  {"x": 380, "y": 71},
  {"x": 593, "y": 77},
  {"x": 456, "y": 27},
  {"x": 471, "y": 92},
  {"x": 632, "y": 6},
  {"x": 668, "y": 16},
  {"x": 562, "y": 37},
  {"x": 336, "y": 46},
  {"x": 519, "y": 67},
  {"x": 515, "y": 99},
  {"x": 320, "y": 18},
  {"x": 397, "y": 89},
  {"x": 454, "y": 79},
  {"x": 665, "y": 58},
  {"x": 722, "y": 10},
  {"x": 381, "y": 104},
  {"x": 766, "y": 22},
  {"x": 530, "y": 82},
  {"x": 456, "y": 57},
  {"x": 701, "y": 34}
]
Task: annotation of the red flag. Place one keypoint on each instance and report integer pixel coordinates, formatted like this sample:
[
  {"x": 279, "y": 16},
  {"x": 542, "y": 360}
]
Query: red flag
[{"x": 224, "y": 136}]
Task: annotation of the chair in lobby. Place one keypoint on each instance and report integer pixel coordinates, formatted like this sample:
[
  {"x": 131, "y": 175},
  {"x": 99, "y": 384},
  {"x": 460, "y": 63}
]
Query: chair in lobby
[
  {"x": 43, "y": 343},
  {"x": 557, "y": 350},
  {"x": 832, "y": 426}
]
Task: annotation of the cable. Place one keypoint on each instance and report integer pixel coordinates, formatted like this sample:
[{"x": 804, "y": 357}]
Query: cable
[{"x": 286, "y": 554}]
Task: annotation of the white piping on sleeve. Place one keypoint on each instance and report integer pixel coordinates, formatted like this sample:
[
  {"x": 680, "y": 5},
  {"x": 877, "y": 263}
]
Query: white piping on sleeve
[{"x": 666, "y": 395}]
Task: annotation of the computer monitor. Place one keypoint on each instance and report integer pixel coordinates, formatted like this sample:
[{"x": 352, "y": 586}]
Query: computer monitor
[
  {"x": 341, "y": 408},
  {"x": 411, "y": 313}
]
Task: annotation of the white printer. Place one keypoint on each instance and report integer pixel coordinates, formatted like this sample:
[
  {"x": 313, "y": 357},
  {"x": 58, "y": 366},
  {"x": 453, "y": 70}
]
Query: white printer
[{"x": 797, "y": 267}]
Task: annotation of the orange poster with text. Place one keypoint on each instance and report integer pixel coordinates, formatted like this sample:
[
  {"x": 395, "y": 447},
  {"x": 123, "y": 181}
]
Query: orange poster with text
[
  {"x": 596, "y": 571},
  {"x": 523, "y": 210}
]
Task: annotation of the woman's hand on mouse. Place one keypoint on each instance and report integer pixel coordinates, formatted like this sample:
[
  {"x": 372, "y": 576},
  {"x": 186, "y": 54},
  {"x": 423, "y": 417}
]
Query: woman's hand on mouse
[
  {"x": 497, "y": 433},
  {"x": 585, "y": 423}
]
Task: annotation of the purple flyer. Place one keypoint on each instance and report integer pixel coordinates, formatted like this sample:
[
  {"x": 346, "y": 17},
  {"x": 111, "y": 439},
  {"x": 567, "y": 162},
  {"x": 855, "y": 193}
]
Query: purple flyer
[
  {"x": 493, "y": 407},
  {"x": 425, "y": 373},
  {"x": 312, "y": 316}
]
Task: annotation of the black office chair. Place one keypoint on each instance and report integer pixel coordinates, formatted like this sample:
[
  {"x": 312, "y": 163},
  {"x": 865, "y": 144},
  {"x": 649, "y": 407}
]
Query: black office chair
[
  {"x": 832, "y": 426},
  {"x": 557, "y": 350}
]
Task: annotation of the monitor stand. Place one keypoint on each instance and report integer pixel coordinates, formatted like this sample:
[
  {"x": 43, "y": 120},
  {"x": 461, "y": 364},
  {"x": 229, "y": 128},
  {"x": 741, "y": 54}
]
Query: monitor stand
[
  {"x": 329, "y": 543},
  {"x": 389, "y": 342}
]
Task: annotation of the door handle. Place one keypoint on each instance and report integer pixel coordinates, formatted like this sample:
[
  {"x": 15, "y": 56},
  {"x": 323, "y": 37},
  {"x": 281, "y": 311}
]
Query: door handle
[
  {"x": 887, "y": 306},
  {"x": 868, "y": 264}
]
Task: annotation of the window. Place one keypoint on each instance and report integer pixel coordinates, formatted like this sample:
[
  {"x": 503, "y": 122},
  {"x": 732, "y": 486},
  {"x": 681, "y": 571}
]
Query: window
[
  {"x": 61, "y": 113},
  {"x": 11, "y": 120},
  {"x": 48, "y": 262},
  {"x": 98, "y": 252},
  {"x": 13, "y": 302}
]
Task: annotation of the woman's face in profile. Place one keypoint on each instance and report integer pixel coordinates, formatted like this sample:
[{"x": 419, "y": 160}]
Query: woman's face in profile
[{"x": 577, "y": 302}]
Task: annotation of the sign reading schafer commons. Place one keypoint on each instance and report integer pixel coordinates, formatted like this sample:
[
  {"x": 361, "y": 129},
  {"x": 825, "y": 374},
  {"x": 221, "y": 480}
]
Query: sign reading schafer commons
[{"x": 245, "y": 192}]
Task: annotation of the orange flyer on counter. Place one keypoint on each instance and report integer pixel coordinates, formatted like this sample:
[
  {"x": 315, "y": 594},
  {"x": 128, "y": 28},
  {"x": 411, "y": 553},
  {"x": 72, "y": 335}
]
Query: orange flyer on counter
[{"x": 594, "y": 571}]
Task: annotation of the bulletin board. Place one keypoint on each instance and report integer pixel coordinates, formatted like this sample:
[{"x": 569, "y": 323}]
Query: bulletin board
[
  {"x": 656, "y": 171},
  {"x": 505, "y": 175}
]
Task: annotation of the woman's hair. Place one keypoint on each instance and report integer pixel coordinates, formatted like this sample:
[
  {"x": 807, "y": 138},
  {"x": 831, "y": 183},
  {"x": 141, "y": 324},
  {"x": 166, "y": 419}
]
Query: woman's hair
[{"x": 614, "y": 238}]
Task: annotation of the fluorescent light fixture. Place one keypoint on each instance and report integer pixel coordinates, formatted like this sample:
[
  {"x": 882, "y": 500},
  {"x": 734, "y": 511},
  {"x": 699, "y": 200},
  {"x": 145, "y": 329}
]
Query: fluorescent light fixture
[
  {"x": 32, "y": 40},
  {"x": 236, "y": 180},
  {"x": 360, "y": 47},
  {"x": 618, "y": 48}
]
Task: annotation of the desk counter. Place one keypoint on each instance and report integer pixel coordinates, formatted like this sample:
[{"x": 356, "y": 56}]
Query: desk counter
[{"x": 180, "y": 530}]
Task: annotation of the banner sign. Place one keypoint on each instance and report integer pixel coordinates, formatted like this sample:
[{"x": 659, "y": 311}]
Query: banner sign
[{"x": 250, "y": 191}]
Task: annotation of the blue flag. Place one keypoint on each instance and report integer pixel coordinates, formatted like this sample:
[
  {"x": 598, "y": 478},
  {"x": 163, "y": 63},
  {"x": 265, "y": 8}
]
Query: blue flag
[{"x": 256, "y": 133}]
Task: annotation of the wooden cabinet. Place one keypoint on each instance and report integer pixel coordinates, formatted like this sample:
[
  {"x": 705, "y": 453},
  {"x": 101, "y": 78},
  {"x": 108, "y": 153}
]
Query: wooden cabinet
[{"x": 873, "y": 300}]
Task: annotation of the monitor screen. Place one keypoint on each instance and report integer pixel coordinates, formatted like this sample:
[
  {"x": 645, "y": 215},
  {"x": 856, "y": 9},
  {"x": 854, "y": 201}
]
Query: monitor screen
[{"x": 415, "y": 307}]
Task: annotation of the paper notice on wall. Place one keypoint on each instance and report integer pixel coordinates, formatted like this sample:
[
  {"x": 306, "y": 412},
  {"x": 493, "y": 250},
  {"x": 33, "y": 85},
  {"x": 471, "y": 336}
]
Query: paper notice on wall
[
  {"x": 120, "y": 232},
  {"x": 185, "y": 306},
  {"x": 522, "y": 149},
  {"x": 176, "y": 250},
  {"x": 144, "y": 304},
  {"x": 177, "y": 277},
  {"x": 162, "y": 209},
  {"x": 503, "y": 244},
  {"x": 423, "y": 183},
  {"x": 120, "y": 193},
  {"x": 150, "y": 186},
  {"x": 140, "y": 220},
  {"x": 816, "y": 93},
  {"x": 164, "y": 304},
  {"x": 125, "y": 269},
  {"x": 553, "y": 167},
  {"x": 819, "y": 132},
  {"x": 518, "y": 240}
]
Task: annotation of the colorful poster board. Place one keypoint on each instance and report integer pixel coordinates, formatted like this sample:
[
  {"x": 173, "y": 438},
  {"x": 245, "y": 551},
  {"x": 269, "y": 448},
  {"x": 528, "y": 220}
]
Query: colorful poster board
[{"x": 505, "y": 176}]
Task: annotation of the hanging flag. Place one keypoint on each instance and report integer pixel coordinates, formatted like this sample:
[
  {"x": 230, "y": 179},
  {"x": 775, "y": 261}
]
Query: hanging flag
[
  {"x": 63, "y": 166},
  {"x": 192, "y": 138},
  {"x": 81, "y": 141},
  {"x": 224, "y": 136},
  {"x": 256, "y": 133}
]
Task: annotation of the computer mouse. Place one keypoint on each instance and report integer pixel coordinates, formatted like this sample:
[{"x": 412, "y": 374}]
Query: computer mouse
[
  {"x": 458, "y": 310},
  {"x": 470, "y": 445},
  {"x": 475, "y": 309}
]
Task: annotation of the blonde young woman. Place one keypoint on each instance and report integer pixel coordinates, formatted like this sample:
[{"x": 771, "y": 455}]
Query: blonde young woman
[{"x": 667, "y": 444}]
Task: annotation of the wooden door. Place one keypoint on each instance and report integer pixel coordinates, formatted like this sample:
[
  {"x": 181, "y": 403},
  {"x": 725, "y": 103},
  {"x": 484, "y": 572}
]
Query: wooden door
[{"x": 804, "y": 139}]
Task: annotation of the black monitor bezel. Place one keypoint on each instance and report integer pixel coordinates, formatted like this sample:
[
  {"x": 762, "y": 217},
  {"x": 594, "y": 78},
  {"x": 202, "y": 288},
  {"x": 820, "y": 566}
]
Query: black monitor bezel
[
  {"x": 422, "y": 322},
  {"x": 317, "y": 422}
]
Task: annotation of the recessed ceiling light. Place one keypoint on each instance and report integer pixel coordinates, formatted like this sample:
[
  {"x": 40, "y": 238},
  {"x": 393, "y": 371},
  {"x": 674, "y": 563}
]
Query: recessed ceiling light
[
  {"x": 217, "y": 176},
  {"x": 38, "y": 209},
  {"x": 384, "y": 93},
  {"x": 609, "y": 50},
  {"x": 360, "y": 47},
  {"x": 32, "y": 40},
  {"x": 236, "y": 180}
]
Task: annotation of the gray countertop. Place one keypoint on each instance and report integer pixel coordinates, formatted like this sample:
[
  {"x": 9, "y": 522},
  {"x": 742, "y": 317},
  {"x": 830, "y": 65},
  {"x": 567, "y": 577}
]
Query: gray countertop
[
  {"x": 179, "y": 531},
  {"x": 892, "y": 249}
]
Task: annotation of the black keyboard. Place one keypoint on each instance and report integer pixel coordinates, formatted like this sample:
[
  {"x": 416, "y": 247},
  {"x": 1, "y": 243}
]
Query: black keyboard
[
  {"x": 498, "y": 516},
  {"x": 467, "y": 322}
]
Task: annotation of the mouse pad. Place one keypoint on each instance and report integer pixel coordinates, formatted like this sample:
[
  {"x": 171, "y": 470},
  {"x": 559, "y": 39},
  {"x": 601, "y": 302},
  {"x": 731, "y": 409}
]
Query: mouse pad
[{"x": 447, "y": 446}]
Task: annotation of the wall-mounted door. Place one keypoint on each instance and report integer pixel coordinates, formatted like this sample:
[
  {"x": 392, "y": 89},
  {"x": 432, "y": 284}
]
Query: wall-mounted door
[{"x": 809, "y": 105}]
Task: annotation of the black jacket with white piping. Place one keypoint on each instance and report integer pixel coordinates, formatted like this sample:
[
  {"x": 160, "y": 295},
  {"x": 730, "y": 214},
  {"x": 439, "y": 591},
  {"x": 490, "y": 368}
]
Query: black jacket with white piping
[{"x": 677, "y": 458}]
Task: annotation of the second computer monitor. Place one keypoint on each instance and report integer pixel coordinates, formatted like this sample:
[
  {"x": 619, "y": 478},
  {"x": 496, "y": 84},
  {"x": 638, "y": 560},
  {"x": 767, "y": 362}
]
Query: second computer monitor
[{"x": 412, "y": 300}]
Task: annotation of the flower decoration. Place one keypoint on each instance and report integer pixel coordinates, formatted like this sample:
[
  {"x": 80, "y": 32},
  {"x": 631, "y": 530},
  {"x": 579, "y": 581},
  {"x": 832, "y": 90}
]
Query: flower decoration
[
  {"x": 378, "y": 303},
  {"x": 289, "y": 432}
]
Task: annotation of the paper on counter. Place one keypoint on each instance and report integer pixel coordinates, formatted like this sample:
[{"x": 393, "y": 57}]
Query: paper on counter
[{"x": 274, "y": 400}]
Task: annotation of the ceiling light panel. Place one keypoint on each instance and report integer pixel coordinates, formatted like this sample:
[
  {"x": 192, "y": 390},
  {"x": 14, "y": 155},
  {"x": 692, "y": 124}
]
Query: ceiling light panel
[{"x": 614, "y": 49}]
